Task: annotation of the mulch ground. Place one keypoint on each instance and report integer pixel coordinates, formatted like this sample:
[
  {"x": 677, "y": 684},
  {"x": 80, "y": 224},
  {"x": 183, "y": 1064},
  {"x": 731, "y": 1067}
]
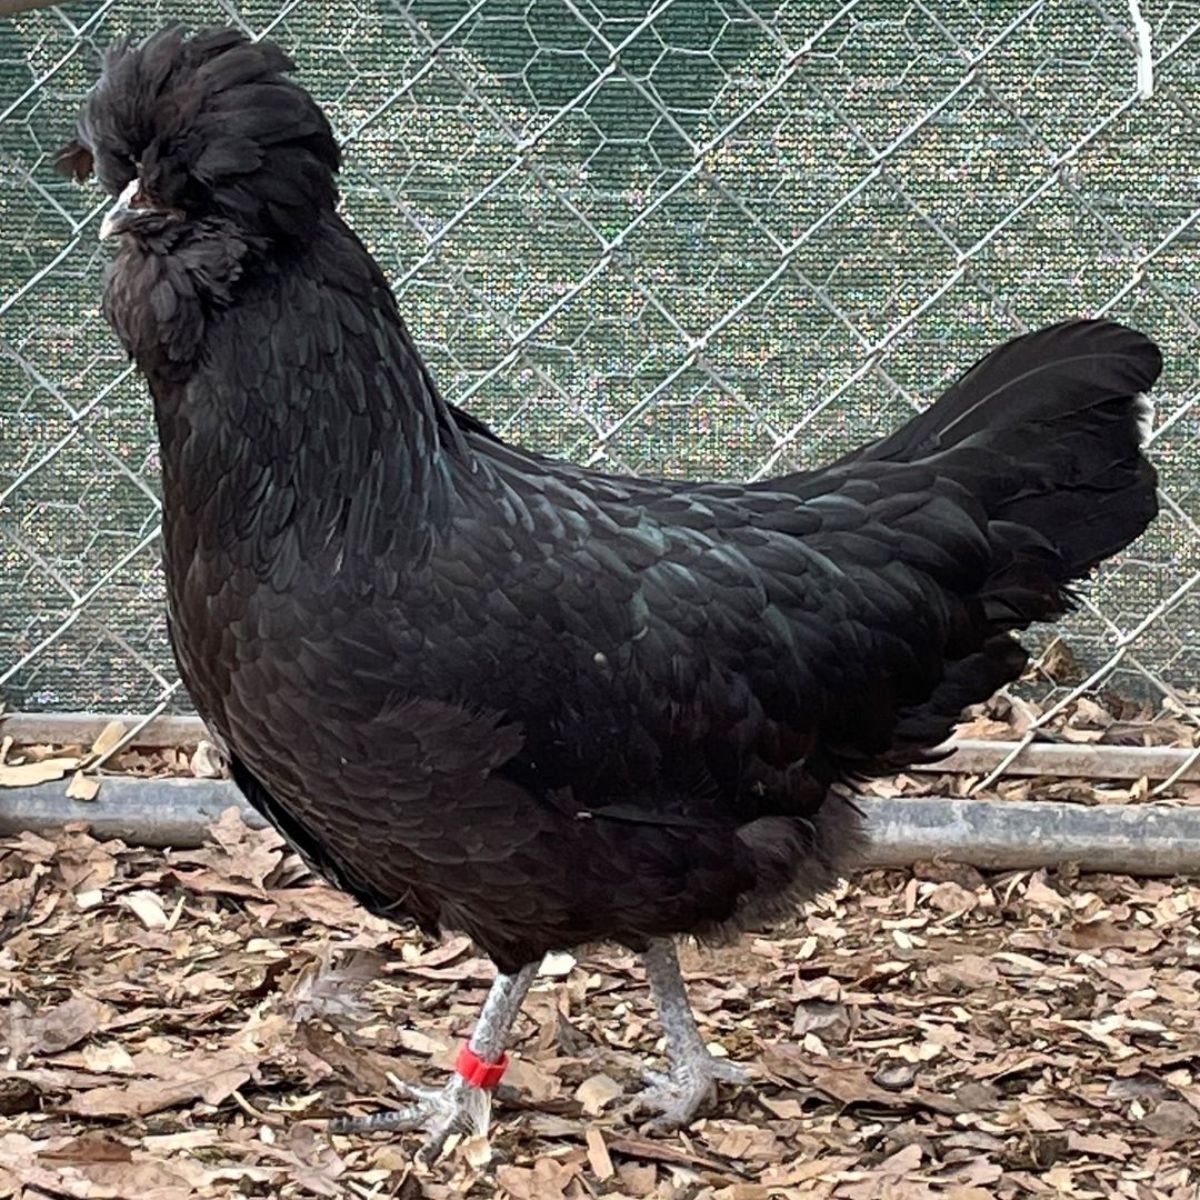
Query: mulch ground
[{"x": 182, "y": 1025}]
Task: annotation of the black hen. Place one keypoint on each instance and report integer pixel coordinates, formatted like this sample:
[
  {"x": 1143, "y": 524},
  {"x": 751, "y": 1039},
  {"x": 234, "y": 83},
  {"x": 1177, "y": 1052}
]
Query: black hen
[{"x": 496, "y": 693}]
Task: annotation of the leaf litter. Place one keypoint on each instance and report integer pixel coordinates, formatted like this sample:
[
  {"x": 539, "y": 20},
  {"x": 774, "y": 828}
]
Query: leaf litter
[{"x": 183, "y": 1024}]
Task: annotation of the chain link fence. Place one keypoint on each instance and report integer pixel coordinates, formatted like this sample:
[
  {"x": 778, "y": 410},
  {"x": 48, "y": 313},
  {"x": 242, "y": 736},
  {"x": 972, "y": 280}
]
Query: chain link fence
[{"x": 703, "y": 237}]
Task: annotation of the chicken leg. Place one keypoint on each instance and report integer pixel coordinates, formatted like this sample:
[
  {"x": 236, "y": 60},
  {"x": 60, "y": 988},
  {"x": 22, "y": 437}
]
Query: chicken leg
[
  {"x": 464, "y": 1104},
  {"x": 690, "y": 1081}
]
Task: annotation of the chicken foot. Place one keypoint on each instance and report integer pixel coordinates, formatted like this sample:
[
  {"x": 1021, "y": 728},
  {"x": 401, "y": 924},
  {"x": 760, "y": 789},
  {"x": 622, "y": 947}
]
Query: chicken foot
[
  {"x": 690, "y": 1081},
  {"x": 460, "y": 1106}
]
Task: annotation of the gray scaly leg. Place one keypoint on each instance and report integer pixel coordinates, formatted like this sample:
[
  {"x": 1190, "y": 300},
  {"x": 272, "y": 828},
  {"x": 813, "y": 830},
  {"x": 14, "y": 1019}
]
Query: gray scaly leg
[
  {"x": 690, "y": 1081},
  {"x": 460, "y": 1106}
]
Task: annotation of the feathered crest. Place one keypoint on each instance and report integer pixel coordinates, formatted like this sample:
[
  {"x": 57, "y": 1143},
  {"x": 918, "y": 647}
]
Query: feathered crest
[{"x": 212, "y": 126}]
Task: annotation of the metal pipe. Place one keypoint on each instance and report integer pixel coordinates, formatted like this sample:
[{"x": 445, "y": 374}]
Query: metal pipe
[
  {"x": 1130, "y": 839},
  {"x": 1148, "y": 839},
  {"x": 972, "y": 756},
  {"x": 141, "y": 812},
  {"x": 1070, "y": 760},
  {"x": 82, "y": 728}
]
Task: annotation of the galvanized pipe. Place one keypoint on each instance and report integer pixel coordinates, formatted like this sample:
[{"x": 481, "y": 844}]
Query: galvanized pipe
[
  {"x": 972, "y": 756},
  {"x": 1148, "y": 839}
]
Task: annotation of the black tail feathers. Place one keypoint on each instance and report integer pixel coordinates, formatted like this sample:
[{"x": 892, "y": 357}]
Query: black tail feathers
[
  {"x": 1047, "y": 431},
  {"x": 1062, "y": 371},
  {"x": 1046, "y": 434}
]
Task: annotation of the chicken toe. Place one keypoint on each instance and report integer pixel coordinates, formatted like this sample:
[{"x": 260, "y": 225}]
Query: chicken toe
[
  {"x": 458, "y": 1107},
  {"x": 690, "y": 1085}
]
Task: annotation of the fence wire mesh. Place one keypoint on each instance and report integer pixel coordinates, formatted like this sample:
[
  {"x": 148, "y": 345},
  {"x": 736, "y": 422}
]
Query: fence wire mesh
[{"x": 700, "y": 237}]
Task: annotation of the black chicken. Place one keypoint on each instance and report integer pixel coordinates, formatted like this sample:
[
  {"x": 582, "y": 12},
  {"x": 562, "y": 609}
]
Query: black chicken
[{"x": 492, "y": 692}]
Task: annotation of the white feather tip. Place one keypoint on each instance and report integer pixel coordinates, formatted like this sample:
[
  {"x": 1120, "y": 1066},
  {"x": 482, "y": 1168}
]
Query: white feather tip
[{"x": 1143, "y": 408}]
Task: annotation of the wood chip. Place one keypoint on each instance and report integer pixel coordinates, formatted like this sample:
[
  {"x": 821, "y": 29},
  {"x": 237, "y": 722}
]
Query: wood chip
[
  {"x": 83, "y": 787},
  {"x": 147, "y": 907},
  {"x": 601, "y": 1163},
  {"x": 107, "y": 739}
]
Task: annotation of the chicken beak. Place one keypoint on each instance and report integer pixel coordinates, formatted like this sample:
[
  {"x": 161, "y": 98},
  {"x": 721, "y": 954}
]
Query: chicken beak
[{"x": 116, "y": 220}]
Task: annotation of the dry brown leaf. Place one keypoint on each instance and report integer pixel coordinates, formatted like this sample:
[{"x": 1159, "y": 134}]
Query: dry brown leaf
[
  {"x": 212, "y": 1078},
  {"x": 1015, "y": 1061},
  {"x": 661, "y": 1151},
  {"x": 849, "y": 1083},
  {"x": 744, "y": 1142},
  {"x": 966, "y": 973},
  {"x": 467, "y": 970},
  {"x": 1038, "y": 1118},
  {"x": 803, "y": 1170},
  {"x": 82, "y": 863},
  {"x": 597, "y": 1092},
  {"x": 1060, "y": 662},
  {"x": 311, "y": 1161},
  {"x": 1098, "y": 935},
  {"x": 1106, "y": 1145},
  {"x": 17, "y": 895},
  {"x": 545, "y": 1180},
  {"x": 985, "y": 728},
  {"x": 367, "y": 1069},
  {"x": 531, "y": 1080},
  {"x": 556, "y": 965},
  {"x": 831, "y": 1021},
  {"x": 142, "y": 1180},
  {"x": 30, "y": 774},
  {"x": 211, "y": 883},
  {"x": 437, "y": 955},
  {"x": 1038, "y": 892},
  {"x": 321, "y": 905},
  {"x": 952, "y": 897},
  {"x": 904, "y": 1161},
  {"x": 106, "y": 1058},
  {"x": 92, "y": 1147},
  {"x": 1081, "y": 736},
  {"x": 1173, "y": 1119},
  {"x": 636, "y": 1179},
  {"x": 433, "y": 1045},
  {"x": 240, "y": 853},
  {"x": 331, "y": 986},
  {"x": 55, "y": 1029}
]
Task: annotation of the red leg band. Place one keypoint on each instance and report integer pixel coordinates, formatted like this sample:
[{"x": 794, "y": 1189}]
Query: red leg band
[{"x": 476, "y": 1072}]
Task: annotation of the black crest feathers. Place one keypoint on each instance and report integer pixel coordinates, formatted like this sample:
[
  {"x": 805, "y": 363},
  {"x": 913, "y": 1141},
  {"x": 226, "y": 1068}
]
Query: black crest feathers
[{"x": 212, "y": 127}]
